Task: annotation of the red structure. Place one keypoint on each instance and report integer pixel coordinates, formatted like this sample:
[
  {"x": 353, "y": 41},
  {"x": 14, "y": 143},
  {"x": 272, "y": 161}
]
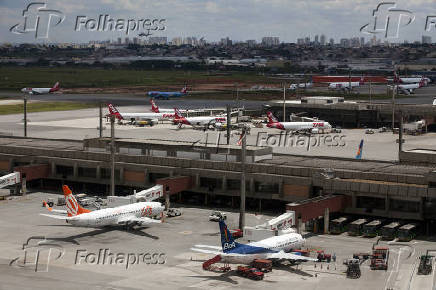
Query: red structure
[
  {"x": 313, "y": 208},
  {"x": 173, "y": 185},
  {"x": 35, "y": 171}
]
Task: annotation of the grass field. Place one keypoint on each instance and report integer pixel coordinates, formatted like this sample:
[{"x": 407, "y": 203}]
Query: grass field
[
  {"x": 14, "y": 78},
  {"x": 44, "y": 107}
]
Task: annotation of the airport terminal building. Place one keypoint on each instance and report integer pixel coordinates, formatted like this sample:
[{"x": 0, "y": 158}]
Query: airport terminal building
[{"x": 204, "y": 175}]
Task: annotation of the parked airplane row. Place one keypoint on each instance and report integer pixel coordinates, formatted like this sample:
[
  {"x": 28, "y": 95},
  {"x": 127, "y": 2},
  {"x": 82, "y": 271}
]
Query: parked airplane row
[
  {"x": 405, "y": 85},
  {"x": 152, "y": 94},
  {"x": 277, "y": 248}
]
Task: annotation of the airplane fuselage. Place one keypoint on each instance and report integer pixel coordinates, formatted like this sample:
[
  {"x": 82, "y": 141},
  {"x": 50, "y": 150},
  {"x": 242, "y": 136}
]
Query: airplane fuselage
[
  {"x": 299, "y": 126},
  {"x": 343, "y": 85},
  {"x": 261, "y": 249},
  {"x": 118, "y": 215},
  {"x": 200, "y": 121},
  {"x": 37, "y": 91},
  {"x": 148, "y": 116},
  {"x": 165, "y": 95}
]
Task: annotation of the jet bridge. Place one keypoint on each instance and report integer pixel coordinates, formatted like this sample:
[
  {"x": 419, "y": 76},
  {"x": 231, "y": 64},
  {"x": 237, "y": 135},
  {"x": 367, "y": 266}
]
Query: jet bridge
[{"x": 10, "y": 179}]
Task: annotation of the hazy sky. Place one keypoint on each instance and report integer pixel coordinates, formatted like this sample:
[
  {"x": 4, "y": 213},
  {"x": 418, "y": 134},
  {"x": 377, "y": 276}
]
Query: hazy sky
[{"x": 214, "y": 19}]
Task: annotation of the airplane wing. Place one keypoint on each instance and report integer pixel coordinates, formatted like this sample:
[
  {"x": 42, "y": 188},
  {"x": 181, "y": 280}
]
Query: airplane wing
[
  {"x": 289, "y": 256},
  {"x": 59, "y": 217},
  {"x": 403, "y": 90},
  {"x": 61, "y": 211},
  {"x": 215, "y": 252},
  {"x": 210, "y": 247},
  {"x": 141, "y": 221},
  {"x": 204, "y": 251}
]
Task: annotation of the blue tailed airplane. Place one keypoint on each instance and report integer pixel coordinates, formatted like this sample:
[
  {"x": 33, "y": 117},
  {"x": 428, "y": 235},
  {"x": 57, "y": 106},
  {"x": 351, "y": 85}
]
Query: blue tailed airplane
[{"x": 167, "y": 95}]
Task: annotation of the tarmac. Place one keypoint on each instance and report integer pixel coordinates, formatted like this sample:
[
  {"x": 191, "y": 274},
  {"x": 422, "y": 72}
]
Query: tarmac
[
  {"x": 82, "y": 124},
  {"x": 70, "y": 263}
]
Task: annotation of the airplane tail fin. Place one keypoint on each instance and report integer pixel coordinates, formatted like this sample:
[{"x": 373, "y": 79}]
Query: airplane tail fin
[
  {"x": 360, "y": 150},
  {"x": 397, "y": 80},
  {"x": 227, "y": 241},
  {"x": 422, "y": 83},
  {"x": 271, "y": 118},
  {"x": 73, "y": 207},
  {"x": 114, "y": 111},
  {"x": 184, "y": 90},
  {"x": 55, "y": 87},
  {"x": 154, "y": 107},
  {"x": 177, "y": 114}
]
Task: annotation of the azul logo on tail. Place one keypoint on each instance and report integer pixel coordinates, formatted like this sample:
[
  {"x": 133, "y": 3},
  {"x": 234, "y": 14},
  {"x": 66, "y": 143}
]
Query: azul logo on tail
[{"x": 227, "y": 241}]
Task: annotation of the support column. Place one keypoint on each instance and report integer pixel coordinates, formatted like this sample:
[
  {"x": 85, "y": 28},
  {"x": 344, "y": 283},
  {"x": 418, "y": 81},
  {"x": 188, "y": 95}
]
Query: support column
[
  {"x": 224, "y": 183},
  {"x": 260, "y": 205},
  {"x": 23, "y": 186},
  {"x": 280, "y": 188},
  {"x": 197, "y": 180},
  {"x": 98, "y": 172},
  {"x": 206, "y": 198},
  {"x": 121, "y": 175},
  {"x": 147, "y": 176},
  {"x": 326, "y": 220},
  {"x": 299, "y": 225},
  {"x": 76, "y": 170},
  {"x": 387, "y": 201},
  {"x": 167, "y": 200},
  {"x": 53, "y": 169},
  {"x": 353, "y": 200},
  {"x": 252, "y": 185}
]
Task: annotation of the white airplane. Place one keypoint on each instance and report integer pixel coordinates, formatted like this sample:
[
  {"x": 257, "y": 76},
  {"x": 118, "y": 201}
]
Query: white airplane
[
  {"x": 277, "y": 248},
  {"x": 132, "y": 117},
  {"x": 312, "y": 127},
  {"x": 180, "y": 120},
  {"x": 410, "y": 80},
  {"x": 140, "y": 213},
  {"x": 346, "y": 85},
  {"x": 41, "y": 91},
  {"x": 409, "y": 88},
  {"x": 301, "y": 86},
  {"x": 156, "y": 109}
]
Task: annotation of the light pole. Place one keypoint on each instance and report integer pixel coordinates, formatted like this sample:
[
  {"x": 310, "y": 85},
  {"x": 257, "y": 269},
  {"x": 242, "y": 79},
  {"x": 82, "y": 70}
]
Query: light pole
[
  {"x": 284, "y": 102},
  {"x": 112, "y": 189},
  {"x": 100, "y": 127},
  {"x": 243, "y": 183},
  {"x": 25, "y": 115}
]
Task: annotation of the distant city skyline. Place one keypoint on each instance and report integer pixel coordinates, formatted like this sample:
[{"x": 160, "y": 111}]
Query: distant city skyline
[{"x": 215, "y": 20}]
